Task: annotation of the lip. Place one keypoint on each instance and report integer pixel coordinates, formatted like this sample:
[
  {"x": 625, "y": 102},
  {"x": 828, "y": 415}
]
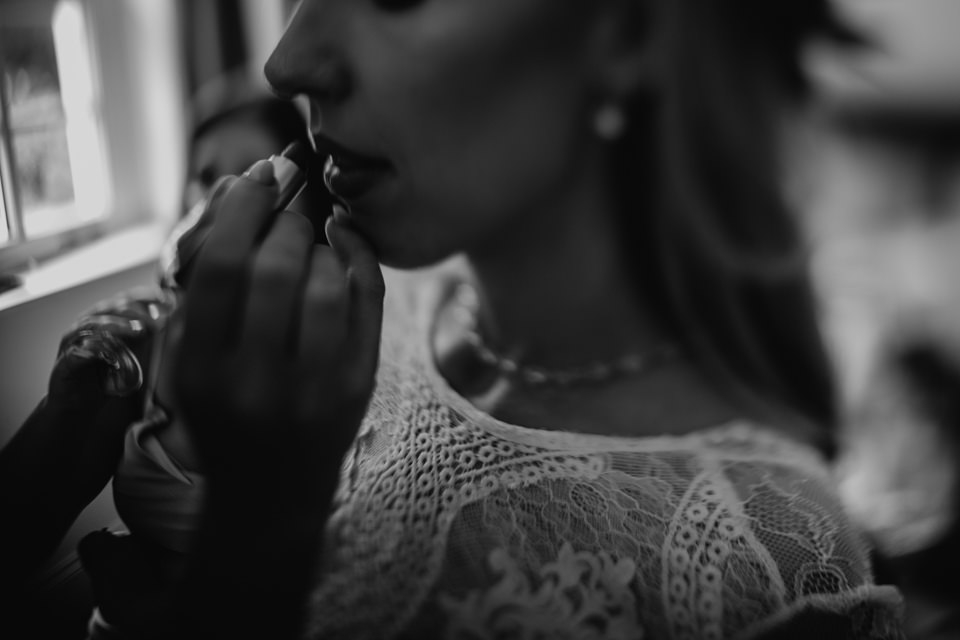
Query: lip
[{"x": 349, "y": 174}]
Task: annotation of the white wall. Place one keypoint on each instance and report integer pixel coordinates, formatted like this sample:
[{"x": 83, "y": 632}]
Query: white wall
[{"x": 143, "y": 103}]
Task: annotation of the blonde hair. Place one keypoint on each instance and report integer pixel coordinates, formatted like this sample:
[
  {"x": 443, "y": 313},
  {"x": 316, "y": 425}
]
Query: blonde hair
[{"x": 731, "y": 262}]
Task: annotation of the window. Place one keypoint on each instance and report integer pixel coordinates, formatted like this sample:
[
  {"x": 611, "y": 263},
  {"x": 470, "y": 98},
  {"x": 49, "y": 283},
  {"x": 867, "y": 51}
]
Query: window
[{"x": 53, "y": 173}]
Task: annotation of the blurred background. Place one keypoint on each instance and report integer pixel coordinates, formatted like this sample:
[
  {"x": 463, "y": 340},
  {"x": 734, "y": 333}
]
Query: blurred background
[
  {"x": 103, "y": 107},
  {"x": 875, "y": 175}
]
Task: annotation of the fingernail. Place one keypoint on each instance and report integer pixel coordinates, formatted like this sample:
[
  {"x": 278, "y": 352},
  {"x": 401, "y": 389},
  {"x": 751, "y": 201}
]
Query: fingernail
[
  {"x": 341, "y": 216},
  {"x": 261, "y": 171},
  {"x": 328, "y": 225}
]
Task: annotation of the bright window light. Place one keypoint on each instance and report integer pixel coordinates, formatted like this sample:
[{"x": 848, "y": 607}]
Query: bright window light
[
  {"x": 4, "y": 232},
  {"x": 53, "y": 169},
  {"x": 79, "y": 96}
]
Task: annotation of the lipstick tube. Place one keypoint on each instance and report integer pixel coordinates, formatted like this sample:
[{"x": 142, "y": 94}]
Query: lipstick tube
[
  {"x": 289, "y": 169},
  {"x": 181, "y": 250}
]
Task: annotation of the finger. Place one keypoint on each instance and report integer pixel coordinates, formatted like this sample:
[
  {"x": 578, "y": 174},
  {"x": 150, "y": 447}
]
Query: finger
[
  {"x": 121, "y": 324},
  {"x": 234, "y": 233},
  {"x": 276, "y": 285},
  {"x": 366, "y": 292},
  {"x": 190, "y": 234},
  {"x": 148, "y": 313},
  {"x": 138, "y": 299},
  {"x": 323, "y": 321},
  {"x": 150, "y": 305},
  {"x": 215, "y": 294},
  {"x": 78, "y": 360}
]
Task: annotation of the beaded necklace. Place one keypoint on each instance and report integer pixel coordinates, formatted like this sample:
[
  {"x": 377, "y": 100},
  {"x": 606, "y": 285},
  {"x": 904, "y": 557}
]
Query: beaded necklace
[{"x": 598, "y": 372}]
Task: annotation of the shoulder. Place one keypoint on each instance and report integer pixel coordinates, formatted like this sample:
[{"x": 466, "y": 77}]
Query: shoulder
[
  {"x": 756, "y": 531},
  {"x": 775, "y": 499}
]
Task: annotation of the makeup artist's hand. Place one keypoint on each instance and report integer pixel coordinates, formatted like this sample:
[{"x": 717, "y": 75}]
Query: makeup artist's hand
[
  {"x": 274, "y": 354},
  {"x": 68, "y": 448},
  {"x": 80, "y": 384},
  {"x": 277, "y": 348},
  {"x": 80, "y": 374}
]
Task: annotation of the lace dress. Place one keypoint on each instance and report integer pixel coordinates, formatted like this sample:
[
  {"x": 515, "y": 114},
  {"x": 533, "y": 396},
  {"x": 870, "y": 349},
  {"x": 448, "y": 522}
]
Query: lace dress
[{"x": 451, "y": 524}]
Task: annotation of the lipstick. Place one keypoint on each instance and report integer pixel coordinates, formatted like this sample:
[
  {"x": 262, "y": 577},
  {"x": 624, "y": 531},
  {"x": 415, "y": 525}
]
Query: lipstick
[
  {"x": 290, "y": 170},
  {"x": 184, "y": 244}
]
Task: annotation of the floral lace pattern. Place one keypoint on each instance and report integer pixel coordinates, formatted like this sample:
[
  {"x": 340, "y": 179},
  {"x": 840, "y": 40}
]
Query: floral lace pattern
[
  {"x": 402, "y": 491},
  {"x": 451, "y": 524},
  {"x": 580, "y": 595}
]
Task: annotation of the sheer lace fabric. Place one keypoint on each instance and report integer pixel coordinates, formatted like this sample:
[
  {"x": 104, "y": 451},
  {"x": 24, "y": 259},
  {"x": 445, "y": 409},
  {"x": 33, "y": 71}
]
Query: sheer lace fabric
[{"x": 452, "y": 524}]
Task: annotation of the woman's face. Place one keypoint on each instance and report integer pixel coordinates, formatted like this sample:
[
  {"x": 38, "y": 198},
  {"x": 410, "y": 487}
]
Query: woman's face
[{"x": 450, "y": 118}]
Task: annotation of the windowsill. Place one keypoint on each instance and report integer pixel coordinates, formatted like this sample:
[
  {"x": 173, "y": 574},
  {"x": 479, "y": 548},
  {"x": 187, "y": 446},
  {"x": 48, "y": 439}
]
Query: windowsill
[{"x": 123, "y": 250}]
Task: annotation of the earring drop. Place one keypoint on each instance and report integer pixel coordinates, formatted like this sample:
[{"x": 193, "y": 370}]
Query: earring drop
[{"x": 609, "y": 121}]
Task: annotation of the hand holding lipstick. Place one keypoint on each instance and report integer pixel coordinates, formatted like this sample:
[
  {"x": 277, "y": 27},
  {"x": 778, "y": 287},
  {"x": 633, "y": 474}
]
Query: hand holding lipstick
[
  {"x": 280, "y": 340},
  {"x": 275, "y": 349}
]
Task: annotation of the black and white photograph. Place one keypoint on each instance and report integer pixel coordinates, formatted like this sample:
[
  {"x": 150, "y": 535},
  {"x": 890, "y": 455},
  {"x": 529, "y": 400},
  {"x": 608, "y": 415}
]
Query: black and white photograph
[{"x": 480, "y": 319}]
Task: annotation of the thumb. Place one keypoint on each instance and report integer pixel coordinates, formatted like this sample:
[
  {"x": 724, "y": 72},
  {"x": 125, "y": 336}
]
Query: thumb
[
  {"x": 366, "y": 290},
  {"x": 357, "y": 256}
]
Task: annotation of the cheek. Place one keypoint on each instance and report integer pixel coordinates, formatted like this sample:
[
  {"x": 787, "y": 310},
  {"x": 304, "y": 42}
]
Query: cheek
[
  {"x": 511, "y": 165},
  {"x": 482, "y": 111},
  {"x": 486, "y": 113}
]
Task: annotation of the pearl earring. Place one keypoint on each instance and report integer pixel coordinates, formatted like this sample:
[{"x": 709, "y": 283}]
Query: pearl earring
[{"x": 609, "y": 121}]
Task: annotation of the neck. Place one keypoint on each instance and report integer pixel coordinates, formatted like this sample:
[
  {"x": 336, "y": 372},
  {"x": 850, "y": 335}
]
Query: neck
[
  {"x": 555, "y": 293},
  {"x": 558, "y": 292}
]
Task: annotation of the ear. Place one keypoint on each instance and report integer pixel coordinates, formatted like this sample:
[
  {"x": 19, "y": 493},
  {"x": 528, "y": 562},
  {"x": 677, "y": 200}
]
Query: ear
[{"x": 626, "y": 48}]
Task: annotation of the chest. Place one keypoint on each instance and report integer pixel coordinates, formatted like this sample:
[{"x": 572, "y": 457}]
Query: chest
[{"x": 450, "y": 530}]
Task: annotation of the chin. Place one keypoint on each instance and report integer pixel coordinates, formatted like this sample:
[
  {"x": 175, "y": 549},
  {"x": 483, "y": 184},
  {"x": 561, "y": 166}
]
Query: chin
[
  {"x": 399, "y": 245},
  {"x": 407, "y": 257}
]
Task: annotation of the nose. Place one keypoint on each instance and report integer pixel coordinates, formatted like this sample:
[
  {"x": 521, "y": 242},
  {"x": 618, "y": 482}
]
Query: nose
[{"x": 309, "y": 59}]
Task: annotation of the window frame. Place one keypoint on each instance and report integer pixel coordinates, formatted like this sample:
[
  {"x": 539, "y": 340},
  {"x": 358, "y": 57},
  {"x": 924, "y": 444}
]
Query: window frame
[
  {"x": 9, "y": 208},
  {"x": 19, "y": 249},
  {"x": 142, "y": 121}
]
